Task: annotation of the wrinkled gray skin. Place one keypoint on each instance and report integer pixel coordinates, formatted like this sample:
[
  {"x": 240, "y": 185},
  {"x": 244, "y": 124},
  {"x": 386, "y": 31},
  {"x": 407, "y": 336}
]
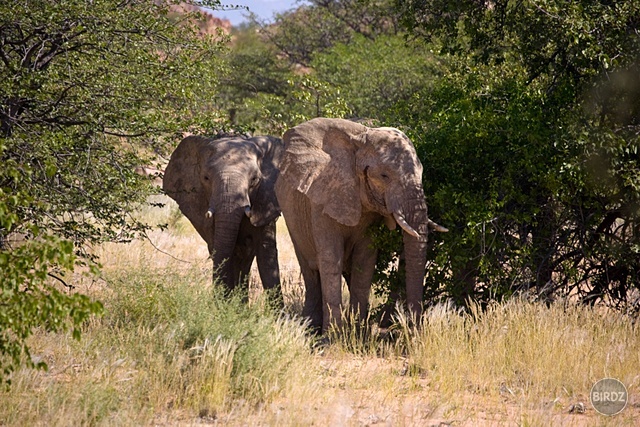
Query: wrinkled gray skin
[
  {"x": 337, "y": 179},
  {"x": 225, "y": 187}
]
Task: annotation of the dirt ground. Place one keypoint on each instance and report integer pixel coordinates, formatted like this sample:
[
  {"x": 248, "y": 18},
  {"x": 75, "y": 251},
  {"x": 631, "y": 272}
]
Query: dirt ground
[{"x": 380, "y": 392}]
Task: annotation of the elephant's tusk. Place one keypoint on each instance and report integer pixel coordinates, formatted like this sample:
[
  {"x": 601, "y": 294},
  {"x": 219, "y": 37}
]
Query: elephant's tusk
[
  {"x": 247, "y": 211},
  {"x": 209, "y": 214},
  {"x": 437, "y": 227},
  {"x": 406, "y": 227}
]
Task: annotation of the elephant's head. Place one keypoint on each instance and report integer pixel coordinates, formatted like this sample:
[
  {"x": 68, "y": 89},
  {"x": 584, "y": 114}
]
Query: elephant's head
[
  {"x": 217, "y": 182},
  {"x": 351, "y": 170}
]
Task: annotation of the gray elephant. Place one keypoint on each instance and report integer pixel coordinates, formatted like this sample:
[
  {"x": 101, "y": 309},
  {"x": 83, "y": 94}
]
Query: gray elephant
[
  {"x": 225, "y": 187},
  {"x": 338, "y": 178}
]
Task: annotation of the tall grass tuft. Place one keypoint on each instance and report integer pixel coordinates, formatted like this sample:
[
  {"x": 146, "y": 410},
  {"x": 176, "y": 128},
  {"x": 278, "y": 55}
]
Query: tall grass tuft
[
  {"x": 169, "y": 342},
  {"x": 524, "y": 351},
  {"x": 358, "y": 337}
]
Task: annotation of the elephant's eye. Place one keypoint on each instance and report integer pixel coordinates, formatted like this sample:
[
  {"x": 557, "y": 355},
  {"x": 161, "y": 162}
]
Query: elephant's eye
[
  {"x": 206, "y": 178},
  {"x": 384, "y": 176}
]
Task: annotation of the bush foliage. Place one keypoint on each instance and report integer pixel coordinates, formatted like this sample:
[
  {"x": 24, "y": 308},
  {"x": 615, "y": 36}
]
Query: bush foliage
[
  {"x": 537, "y": 165},
  {"x": 88, "y": 90}
]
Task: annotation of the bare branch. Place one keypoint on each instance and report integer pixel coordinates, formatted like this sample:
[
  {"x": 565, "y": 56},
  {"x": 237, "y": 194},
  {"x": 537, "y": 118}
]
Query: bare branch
[{"x": 65, "y": 284}]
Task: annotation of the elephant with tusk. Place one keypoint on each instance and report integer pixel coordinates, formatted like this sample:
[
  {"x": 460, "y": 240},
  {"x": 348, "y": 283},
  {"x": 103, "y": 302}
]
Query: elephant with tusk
[
  {"x": 225, "y": 187},
  {"x": 337, "y": 179}
]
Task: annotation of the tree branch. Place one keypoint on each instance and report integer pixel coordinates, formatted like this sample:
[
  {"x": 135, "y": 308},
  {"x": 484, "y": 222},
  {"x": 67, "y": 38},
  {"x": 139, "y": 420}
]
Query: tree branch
[{"x": 61, "y": 281}]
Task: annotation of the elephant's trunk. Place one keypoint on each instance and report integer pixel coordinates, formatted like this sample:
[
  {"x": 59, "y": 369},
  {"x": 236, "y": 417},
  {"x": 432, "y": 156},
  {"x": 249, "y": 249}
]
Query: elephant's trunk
[
  {"x": 414, "y": 213},
  {"x": 224, "y": 241},
  {"x": 230, "y": 201}
]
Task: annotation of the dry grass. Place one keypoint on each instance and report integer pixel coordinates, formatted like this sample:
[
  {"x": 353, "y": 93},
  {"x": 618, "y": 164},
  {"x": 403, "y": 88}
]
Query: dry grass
[
  {"x": 541, "y": 360},
  {"x": 170, "y": 351}
]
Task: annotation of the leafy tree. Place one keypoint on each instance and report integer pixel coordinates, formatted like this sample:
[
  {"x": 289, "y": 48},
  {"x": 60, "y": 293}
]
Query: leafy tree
[
  {"x": 367, "y": 18},
  {"x": 310, "y": 60},
  {"x": 374, "y": 75},
  {"x": 300, "y": 33},
  {"x": 315, "y": 28},
  {"x": 306, "y": 98},
  {"x": 489, "y": 169},
  {"x": 86, "y": 88},
  {"x": 265, "y": 93},
  {"x": 557, "y": 40},
  {"x": 255, "y": 78},
  {"x": 536, "y": 135}
]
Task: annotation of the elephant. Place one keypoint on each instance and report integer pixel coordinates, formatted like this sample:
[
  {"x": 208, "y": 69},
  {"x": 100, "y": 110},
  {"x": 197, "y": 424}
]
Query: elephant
[
  {"x": 338, "y": 178},
  {"x": 225, "y": 187}
]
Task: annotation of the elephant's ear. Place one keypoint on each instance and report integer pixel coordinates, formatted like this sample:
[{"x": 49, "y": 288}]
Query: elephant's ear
[
  {"x": 264, "y": 204},
  {"x": 182, "y": 183},
  {"x": 319, "y": 161}
]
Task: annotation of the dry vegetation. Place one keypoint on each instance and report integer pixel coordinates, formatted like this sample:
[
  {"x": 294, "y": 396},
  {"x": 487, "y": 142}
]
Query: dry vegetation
[{"x": 170, "y": 351}]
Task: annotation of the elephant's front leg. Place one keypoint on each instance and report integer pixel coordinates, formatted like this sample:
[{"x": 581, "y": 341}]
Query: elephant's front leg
[
  {"x": 363, "y": 264},
  {"x": 244, "y": 255},
  {"x": 329, "y": 243},
  {"x": 267, "y": 260},
  {"x": 267, "y": 257}
]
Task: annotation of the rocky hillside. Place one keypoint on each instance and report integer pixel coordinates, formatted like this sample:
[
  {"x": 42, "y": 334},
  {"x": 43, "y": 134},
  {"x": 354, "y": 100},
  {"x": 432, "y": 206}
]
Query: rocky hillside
[{"x": 209, "y": 24}]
